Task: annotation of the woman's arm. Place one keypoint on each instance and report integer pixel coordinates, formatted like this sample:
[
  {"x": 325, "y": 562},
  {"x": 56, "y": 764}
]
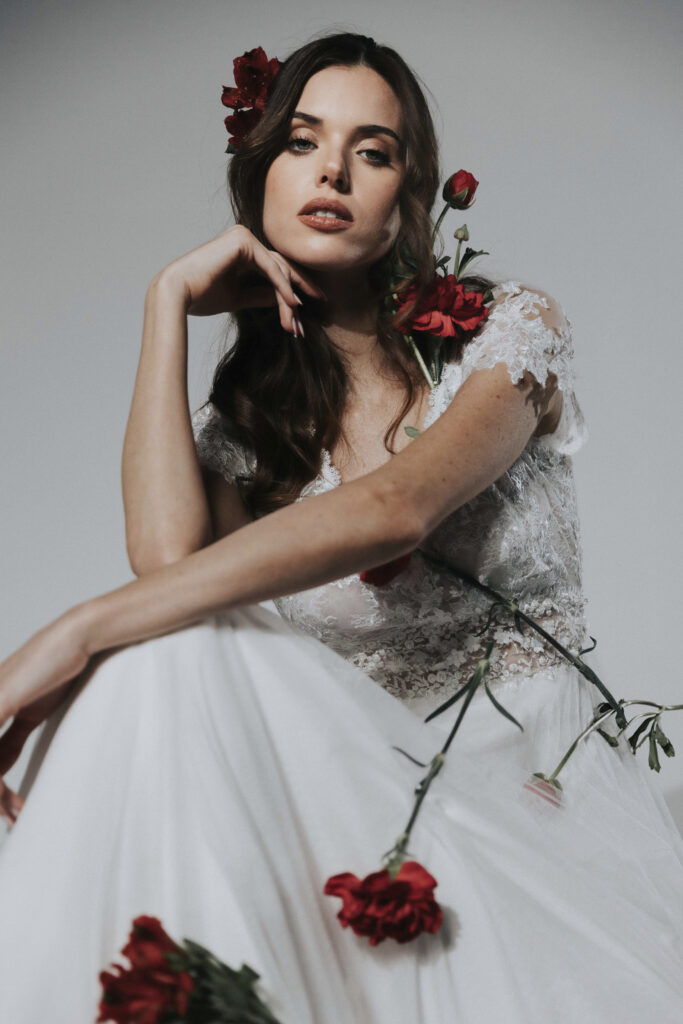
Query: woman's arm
[
  {"x": 171, "y": 508},
  {"x": 166, "y": 508},
  {"x": 357, "y": 526},
  {"x": 364, "y": 523}
]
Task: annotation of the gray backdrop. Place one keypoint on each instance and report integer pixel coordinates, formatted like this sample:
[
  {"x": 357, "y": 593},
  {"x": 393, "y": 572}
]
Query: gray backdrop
[{"x": 567, "y": 111}]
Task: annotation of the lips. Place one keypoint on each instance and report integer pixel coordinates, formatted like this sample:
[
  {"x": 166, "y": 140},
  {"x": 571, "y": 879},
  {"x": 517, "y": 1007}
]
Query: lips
[{"x": 340, "y": 211}]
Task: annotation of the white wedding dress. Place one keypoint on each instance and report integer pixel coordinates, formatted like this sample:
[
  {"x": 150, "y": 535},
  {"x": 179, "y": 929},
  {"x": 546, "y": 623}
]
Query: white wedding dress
[{"x": 215, "y": 777}]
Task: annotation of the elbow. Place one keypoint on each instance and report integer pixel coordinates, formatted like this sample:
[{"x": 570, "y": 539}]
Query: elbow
[{"x": 146, "y": 559}]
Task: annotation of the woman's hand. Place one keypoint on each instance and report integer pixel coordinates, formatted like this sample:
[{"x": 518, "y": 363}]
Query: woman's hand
[
  {"x": 50, "y": 658},
  {"x": 12, "y": 743},
  {"x": 217, "y": 277},
  {"x": 33, "y": 683}
]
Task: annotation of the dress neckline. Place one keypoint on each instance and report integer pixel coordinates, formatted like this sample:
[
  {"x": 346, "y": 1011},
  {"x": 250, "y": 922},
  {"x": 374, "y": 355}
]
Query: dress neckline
[{"x": 329, "y": 471}]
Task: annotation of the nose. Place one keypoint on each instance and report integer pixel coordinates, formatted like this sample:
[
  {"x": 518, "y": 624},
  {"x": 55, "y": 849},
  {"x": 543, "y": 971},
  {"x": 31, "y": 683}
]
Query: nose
[{"x": 334, "y": 171}]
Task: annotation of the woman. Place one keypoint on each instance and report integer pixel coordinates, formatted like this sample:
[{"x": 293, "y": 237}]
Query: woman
[{"x": 230, "y": 762}]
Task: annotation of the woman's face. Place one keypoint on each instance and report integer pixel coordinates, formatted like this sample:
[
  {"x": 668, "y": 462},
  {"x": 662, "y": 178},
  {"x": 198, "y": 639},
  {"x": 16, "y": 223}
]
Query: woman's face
[{"x": 346, "y": 149}]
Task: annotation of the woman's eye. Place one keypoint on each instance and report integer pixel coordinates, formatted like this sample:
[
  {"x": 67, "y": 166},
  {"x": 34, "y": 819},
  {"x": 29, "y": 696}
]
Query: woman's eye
[{"x": 378, "y": 157}]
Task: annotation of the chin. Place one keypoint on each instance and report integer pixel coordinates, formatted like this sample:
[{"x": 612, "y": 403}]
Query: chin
[{"x": 331, "y": 254}]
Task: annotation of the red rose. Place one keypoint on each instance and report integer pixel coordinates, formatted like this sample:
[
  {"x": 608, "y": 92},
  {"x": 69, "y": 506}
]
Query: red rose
[
  {"x": 445, "y": 308},
  {"x": 150, "y": 989},
  {"x": 384, "y": 908},
  {"x": 459, "y": 190},
  {"x": 383, "y": 574}
]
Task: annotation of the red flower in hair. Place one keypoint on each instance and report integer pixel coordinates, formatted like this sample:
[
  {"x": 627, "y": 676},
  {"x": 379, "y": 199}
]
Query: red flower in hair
[
  {"x": 254, "y": 73},
  {"x": 446, "y": 308}
]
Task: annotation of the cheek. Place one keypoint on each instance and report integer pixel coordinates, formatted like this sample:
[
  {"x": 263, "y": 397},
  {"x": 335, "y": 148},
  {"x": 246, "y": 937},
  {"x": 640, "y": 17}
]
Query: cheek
[
  {"x": 389, "y": 221},
  {"x": 275, "y": 189}
]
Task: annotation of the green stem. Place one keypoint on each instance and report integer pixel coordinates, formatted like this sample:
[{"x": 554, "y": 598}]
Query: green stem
[
  {"x": 456, "y": 261},
  {"x": 438, "y": 223},
  {"x": 418, "y": 355},
  {"x": 396, "y": 853},
  {"x": 586, "y": 731},
  {"x": 511, "y": 605},
  {"x": 607, "y": 714}
]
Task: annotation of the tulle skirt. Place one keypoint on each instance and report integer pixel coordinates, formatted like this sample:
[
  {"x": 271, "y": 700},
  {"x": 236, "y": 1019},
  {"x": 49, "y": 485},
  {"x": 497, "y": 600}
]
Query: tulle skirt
[{"x": 216, "y": 776}]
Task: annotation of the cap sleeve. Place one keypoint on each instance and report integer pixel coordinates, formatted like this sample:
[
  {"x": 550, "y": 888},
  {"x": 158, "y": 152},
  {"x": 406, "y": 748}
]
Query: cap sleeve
[
  {"x": 526, "y": 333},
  {"x": 216, "y": 449}
]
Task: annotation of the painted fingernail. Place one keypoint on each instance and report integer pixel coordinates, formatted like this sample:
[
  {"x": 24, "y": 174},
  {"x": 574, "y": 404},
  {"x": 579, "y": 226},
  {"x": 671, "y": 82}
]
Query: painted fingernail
[{"x": 300, "y": 301}]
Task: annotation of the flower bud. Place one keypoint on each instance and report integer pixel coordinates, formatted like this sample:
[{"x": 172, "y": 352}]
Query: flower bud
[
  {"x": 459, "y": 190},
  {"x": 462, "y": 234},
  {"x": 544, "y": 788}
]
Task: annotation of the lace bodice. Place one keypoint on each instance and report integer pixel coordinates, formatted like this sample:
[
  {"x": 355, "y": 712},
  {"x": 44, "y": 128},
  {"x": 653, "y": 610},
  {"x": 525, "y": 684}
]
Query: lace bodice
[{"x": 417, "y": 635}]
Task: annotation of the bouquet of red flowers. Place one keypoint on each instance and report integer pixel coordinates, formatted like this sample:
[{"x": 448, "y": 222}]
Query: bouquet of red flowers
[{"x": 169, "y": 983}]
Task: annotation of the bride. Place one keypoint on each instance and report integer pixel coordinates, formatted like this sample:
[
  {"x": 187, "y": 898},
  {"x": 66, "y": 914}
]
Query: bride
[{"x": 223, "y": 760}]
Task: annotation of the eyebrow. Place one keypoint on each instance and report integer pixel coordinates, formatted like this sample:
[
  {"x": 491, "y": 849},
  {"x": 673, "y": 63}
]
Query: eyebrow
[{"x": 361, "y": 129}]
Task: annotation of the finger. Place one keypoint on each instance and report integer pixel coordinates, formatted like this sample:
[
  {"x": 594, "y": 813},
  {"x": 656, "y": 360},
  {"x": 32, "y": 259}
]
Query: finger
[
  {"x": 9, "y": 809},
  {"x": 300, "y": 279},
  {"x": 287, "y": 299},
  {"x": 12, "y": 742}
]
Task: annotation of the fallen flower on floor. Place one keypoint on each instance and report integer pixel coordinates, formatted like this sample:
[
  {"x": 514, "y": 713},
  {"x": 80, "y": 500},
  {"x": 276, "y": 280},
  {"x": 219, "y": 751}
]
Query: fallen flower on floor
[
  {"x": 381, "y": 907},
  {"x": 185, "y": 984},
  {"x": 545, "y": 788}
]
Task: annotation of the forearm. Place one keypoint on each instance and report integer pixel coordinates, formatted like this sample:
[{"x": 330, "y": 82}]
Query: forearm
[
  {"x": 304, "y": 545},
  {"x": 166, "y": 510}
]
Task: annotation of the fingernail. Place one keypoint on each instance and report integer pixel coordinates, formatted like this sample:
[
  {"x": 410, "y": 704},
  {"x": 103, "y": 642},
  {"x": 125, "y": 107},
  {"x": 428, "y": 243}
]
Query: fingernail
[
  {"x": 300, "y": 301},
  {"x": 301, "y": 327},
  {"x": 294, "y": 327}
]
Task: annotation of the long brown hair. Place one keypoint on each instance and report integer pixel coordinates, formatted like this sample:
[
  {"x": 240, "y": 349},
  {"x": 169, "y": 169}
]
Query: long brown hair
[{"x": 284, "y": 397}]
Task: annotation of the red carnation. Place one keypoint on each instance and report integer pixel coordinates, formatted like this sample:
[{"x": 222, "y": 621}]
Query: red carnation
[
  {"x": 445, "y": 308},
  {"x": 253, "y": 76},
  {"x": 459, "y": 190},
  {"x": 383, "y": 574},
  {"x": 150, "y": 989},
  {"x": 384, "y": 908}
]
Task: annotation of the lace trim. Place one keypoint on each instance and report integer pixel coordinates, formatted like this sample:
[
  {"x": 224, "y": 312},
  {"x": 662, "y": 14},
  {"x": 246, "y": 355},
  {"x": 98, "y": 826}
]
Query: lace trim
[
  {"x": 522, "y": 344},
  {"x": 215, "y": 448}
]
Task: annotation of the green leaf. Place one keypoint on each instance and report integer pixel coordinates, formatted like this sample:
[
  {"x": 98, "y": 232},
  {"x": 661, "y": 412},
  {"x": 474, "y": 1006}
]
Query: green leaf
[
  {"x": 664, "y": 741},
  {"x": 653, "y": 758},
  {"x": 633, "y": 738},
  {"x": 500, "y": 706},
  {"x": 471, "y": 254},
  {"x": 447, "y": 704},
  {"x": 612, "y": 740},
  {"x": 412, "y": 431}
]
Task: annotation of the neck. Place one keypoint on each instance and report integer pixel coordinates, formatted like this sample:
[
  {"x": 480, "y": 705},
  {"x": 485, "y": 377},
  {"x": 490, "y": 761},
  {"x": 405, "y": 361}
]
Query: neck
[{"x": 350, "y": 320}]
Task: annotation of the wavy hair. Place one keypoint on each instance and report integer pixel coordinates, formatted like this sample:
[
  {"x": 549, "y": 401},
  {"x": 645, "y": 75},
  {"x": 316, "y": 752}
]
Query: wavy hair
[{"x": 284, "y": 398}]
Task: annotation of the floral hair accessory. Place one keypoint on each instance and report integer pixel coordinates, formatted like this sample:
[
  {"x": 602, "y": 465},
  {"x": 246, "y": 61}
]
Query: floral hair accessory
[{"x": 254, "y": 73}]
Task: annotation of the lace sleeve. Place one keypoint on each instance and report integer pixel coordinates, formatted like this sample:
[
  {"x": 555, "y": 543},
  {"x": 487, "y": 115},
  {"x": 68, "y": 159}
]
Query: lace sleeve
[
  {"x": 527, "y": 333},
  {"x": 216, "y": 450}
]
